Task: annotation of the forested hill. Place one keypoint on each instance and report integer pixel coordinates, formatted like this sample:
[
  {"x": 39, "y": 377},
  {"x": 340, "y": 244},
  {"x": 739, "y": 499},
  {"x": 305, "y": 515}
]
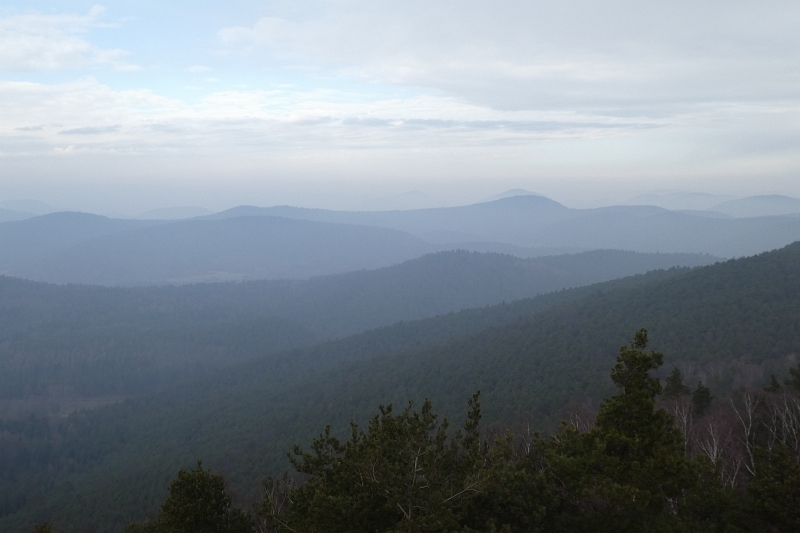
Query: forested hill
[
  {"x": 431, "y": 285},
  {"x": 730, "y": 324},
  {"x": 196, "y": 250},
  {"x": 72, "y": 342},
  {"x": 291, "y": 243},
  {"x": 537, "y": 222},
  {"x": 24, "y": 242},
  {"x": 10, "y": 215}
]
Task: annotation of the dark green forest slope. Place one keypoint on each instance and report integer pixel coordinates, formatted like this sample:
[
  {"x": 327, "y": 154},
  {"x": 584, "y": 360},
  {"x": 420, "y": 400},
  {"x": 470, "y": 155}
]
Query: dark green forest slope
[
  {"x": 729, "y": 324},
  {"x": 69, "y": 342},
  {"x": 36, "y": 455}
]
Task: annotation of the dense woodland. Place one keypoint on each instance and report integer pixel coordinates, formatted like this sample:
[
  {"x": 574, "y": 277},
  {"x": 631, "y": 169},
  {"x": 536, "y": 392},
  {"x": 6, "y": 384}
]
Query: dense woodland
[
  {"x": 730, "y": 325},
  {"x": 63, "y": 344},
  {"x": 652, "y": 458}
]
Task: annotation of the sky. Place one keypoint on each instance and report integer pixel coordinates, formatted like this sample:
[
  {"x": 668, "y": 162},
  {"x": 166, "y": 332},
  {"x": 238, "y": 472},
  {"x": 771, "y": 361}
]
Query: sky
[{"x": 125, "y": 106}]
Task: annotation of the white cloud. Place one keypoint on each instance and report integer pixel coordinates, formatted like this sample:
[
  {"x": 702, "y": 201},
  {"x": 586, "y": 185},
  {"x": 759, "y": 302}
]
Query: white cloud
[
  {"x": 527, "y": 54},
  {"x": 580, "y": 88},
  {"x": 36, "y": 41},
  {"x": 240, "y": 124},
  {"x": 91, "y": 114}
]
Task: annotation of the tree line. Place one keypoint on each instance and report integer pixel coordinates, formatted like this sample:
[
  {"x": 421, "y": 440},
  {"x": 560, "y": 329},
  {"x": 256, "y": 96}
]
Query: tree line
[{"x": 653, "y": 458}]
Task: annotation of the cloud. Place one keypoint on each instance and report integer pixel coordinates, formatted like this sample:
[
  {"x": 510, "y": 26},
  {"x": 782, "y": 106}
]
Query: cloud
[
  {"x": 36, "y": 42},
  {"x": 522, "y": 54},
  {"x": 441, "y": 134},
  {"x": 90, "y": 130},
  {"x": 97, "y": 117},
  {"x": 198, "y": 69}
]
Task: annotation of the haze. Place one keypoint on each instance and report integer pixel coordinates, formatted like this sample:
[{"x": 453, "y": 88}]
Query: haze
[
  {"x": 512, "y": 266},
  {"x": 125, "y": 107}
]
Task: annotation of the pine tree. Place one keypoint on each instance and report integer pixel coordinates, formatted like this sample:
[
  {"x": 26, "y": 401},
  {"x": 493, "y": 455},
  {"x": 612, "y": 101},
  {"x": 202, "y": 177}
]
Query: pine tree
[
  {"x": 405, "y": 473},
  {"x": 794, "y": 378},
  {"x": 775, "y": 489},
  {"x": 773, "y": 386},
  {"x": 675, "y": 387},
  {"x": 197, "y": 503},
  {"x": 701, "y": 399},
  {"x": 629, "y": 471}
]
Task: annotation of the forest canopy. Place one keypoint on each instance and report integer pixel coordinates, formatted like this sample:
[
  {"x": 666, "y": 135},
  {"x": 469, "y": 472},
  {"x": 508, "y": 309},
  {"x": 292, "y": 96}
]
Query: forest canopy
[{"x": 631, "y": 469}]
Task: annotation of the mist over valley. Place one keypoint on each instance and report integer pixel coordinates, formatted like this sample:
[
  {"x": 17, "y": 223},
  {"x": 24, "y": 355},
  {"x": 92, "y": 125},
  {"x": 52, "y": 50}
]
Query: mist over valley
[{"x": 422, "y": 267}]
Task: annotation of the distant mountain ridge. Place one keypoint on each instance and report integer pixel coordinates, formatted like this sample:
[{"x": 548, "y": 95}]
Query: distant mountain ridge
[
  {"x": 33, "y": 207},
  {"x": 11, "y": 215},
  {"x": 78, "y": 248},
  {"x": 24, "y": 242},
  {"x": 283, "y": 242},
  {"x": 174, "y": 213},
  {"x": 504, "y": 220},
  {"x": 760, "y": 206},
  {"x": 537, "y": 222}
]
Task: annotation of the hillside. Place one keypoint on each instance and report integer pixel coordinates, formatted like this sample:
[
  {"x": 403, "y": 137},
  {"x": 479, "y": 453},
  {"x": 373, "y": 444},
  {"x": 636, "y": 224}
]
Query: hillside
[
  {"x": 10, "y": 215},
  {"x": 650, "y": 230},
  {"x": 60, "y": 345},
  {"x": 430, "y": 285},
  {"x": 250, "y": 243},
  {"x": 729, "y": 324},
  {"x": 232, "y": 249},
  {"x": 759, "y": 206},
  {"x": 24, "y": 244},
  {"x": 504, "y": 220},
  {"x": 537, "y": 222}
]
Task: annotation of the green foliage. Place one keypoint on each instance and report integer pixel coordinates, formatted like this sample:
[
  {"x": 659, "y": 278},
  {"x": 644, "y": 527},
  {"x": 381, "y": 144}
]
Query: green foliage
[
  {"x": 701, "y": 399},
  {"x": 711, "y": 507},
  {"x": 43, "y": 528},
  {"x": 794, "y": 378},
  {"x": 197, "y": 503},
  {"x": 773, "y": 386},
  {"x": 675, "y": 387},
  {"x": 529, "y": 359},
  {"x": 628, "y": 472},
  {"x": 66, "y": 341},
  {"x": 403, "y": 474},
  {"x": 775, "y": 490}
]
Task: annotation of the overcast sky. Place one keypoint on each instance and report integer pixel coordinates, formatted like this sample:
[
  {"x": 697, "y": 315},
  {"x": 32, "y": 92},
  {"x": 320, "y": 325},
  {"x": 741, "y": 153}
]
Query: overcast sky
[{"x": 124, "y": 106}]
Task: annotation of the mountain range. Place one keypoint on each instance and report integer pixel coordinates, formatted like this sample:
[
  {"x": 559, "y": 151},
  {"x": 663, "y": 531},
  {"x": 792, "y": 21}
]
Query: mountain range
[{"x": 247, "y": 243}]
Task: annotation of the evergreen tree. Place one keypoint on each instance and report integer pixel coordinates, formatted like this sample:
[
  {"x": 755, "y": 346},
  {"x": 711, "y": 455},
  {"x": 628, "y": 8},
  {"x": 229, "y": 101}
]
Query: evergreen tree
[
  {"x": 197, "y": 503},
  {"x": 701, "y": 399},
  {"x": 403, "y": 474},
  {"x": 518, "y": 495},
  {"x": 773, "y": 386},
  {"x": 629, "y": 472},
  {"x": 794, "y": 378},
  {"x": 775, "y": 489},
  {"x": 675, "y": 387}
]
